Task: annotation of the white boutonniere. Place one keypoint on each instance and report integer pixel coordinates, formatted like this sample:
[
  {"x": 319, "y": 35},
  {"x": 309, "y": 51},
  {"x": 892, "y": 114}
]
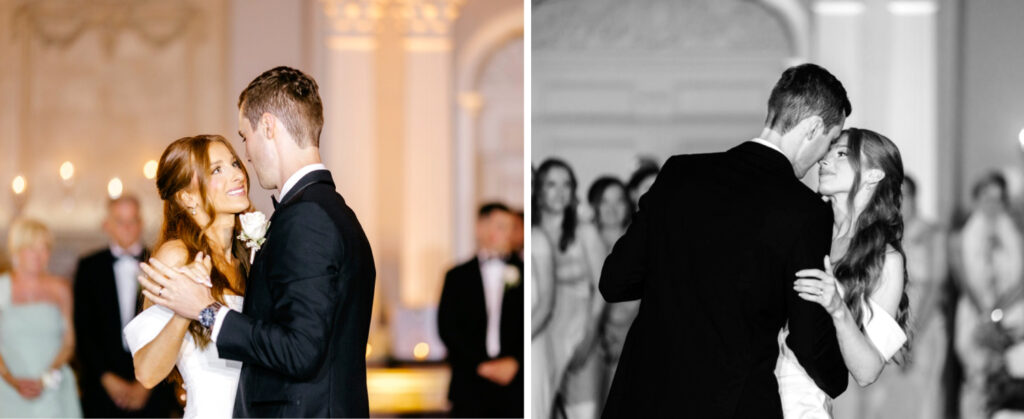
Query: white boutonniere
[
  {"x": 254, "y": 231},
  {"x": 510, "y": 276}
]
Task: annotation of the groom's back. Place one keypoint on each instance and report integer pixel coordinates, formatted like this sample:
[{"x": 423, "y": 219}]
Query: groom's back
[{"x": 711, "y": 255}]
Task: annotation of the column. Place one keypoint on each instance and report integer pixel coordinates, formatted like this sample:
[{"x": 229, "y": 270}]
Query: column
[
  {"x": 348, "y": 141},
  {"x": 427, "y": 247},
  {"x": 470, "y": 103}
]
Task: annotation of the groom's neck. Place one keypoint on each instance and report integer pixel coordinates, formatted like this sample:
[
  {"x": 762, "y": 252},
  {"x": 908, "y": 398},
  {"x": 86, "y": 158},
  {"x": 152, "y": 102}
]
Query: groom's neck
[{"x": 296, "y": 160}]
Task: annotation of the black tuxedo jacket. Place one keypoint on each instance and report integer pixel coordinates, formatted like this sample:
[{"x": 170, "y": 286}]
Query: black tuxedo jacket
[
  {"x": 98, "y": 342},
  {"x": 303, "y": 328},
  {"x": 712, "y": 255},
  {"x": 462, "y": 324}
]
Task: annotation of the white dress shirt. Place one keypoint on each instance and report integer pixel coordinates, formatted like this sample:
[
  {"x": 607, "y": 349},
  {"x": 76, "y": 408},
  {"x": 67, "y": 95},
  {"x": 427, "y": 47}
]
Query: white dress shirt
[
  {"x": 126, "y": 269},
  {"x": 768, "y": 144},
  {"x": 492, "y": 270},
  {"x": 288, "y": 185},
  {"x": 294, "y": 178}
]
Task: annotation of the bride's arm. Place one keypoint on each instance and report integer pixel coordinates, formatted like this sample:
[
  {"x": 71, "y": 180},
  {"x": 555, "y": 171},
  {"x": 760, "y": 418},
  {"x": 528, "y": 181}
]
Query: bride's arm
[
  {"x": 154, "y": 361},
  {"x": 862, "y": 357}
]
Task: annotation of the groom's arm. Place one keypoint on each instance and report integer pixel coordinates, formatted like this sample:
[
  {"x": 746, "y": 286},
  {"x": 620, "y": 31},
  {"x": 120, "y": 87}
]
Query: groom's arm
[
  {"x": 304, "y": 283},
  {"x": 627, "y": 266},
  {"x": 812, "y": 335}
]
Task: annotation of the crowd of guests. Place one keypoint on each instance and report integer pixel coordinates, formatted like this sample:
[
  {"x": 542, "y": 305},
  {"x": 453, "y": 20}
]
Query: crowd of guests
[
  {"x": 48, "y": 324},
  {"x": 966, "y": 290},
  {"x": 577, "y": 337}
]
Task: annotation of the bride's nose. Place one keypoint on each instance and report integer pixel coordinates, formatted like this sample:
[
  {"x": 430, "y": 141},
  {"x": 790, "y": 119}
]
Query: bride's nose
[{"x": 823, "y": 162}]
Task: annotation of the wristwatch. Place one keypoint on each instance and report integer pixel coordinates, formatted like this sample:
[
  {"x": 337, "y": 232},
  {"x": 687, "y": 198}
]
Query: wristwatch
[{"x": 209, "y": 314}]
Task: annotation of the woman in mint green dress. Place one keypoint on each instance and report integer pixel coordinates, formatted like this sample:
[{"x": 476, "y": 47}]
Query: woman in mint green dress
[{"x": 36, "y": 335}]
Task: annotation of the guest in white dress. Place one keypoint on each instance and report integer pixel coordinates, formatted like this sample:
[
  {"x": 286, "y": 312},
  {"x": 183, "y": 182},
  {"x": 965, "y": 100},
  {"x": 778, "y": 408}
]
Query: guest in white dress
[
  {"x": 204, "y": 187},
  {"x": 862, "y": 177}
]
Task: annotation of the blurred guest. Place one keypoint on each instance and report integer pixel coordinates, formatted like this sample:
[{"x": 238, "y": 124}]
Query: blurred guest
[
  {"x": 108, "y": 295},
  {"x": 480, "y": 320},
  {"x": 915, "y": 389},
  {"x": 613, "y": 211},
  {"x": 37, "y": 338},
  {"x": 989, "y": 265},
  {"x": 641, "y": 180},
  {"x": 578, "y": 257},
  {"x": 518, "y": 237},
  {"x": 544, "y": 382}
]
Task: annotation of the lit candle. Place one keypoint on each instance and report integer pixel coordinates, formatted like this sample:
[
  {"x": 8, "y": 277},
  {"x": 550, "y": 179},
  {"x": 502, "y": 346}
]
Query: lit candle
[{"x": 421, "y": 350}]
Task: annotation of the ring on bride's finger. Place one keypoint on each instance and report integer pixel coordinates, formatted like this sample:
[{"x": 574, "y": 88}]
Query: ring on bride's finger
[{"x": 161, "y": 293}]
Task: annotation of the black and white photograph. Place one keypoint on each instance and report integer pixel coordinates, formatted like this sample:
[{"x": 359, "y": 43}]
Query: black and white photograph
[{"x": 777, "y": 209}]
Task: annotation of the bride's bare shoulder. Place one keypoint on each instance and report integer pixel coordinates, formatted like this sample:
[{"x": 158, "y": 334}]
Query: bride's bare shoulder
[{"x": 172, "y": 253}]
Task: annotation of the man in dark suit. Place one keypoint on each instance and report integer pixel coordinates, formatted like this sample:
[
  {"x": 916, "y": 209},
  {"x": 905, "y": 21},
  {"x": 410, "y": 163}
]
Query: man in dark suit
[
  {"x": 106, "y": 299},
  {"x": 302, "y": 332},
  {"x": 712, "y": 256},
  {"x": 480, "y": 320}
]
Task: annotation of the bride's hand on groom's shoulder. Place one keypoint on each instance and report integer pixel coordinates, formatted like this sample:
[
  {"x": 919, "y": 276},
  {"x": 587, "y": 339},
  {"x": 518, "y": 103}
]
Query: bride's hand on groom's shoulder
[{"x": 820, "y": 287}]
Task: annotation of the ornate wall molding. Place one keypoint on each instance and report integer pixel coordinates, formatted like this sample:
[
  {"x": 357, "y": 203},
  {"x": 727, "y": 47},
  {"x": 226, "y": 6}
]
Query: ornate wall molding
[
  {"x": 354, "y": 17},
  {"x": 656, "y": 26},
  {"x": 427, "y": 17},
  {"x": 61, "y": 23}
]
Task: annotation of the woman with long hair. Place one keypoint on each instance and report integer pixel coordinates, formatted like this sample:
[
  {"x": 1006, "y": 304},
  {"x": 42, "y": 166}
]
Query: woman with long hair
[
  {"x": 613, "y": 210},
  {"x": 865, "y": 293},
  {"x": 578, "y": 256},
  {"x": 37, "y": 337},
  {"x": 204, "y": 186}
]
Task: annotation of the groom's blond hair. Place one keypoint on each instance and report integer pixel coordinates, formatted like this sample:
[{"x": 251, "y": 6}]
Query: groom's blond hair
[{"x": 291, "y": 96}]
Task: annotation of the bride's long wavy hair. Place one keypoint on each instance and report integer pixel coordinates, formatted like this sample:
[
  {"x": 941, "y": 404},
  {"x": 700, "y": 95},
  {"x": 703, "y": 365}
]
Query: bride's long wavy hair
[
  {"x": 185, "y": 166},
  {"x": 877, "y": 228}
]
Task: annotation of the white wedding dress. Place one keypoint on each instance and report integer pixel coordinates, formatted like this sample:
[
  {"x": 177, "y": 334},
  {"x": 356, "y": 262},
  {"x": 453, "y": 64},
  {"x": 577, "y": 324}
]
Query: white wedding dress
[
  {"x": 801, "y": 398},
  {"x": 210, "y": 381}
]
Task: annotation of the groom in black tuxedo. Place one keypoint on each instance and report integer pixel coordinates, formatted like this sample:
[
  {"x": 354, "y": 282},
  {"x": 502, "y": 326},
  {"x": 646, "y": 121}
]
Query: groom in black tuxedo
[
  {"x": 303, "y": 329},
  {"x": 480, "y": 320},
  {"x": 712, "y": 256}
]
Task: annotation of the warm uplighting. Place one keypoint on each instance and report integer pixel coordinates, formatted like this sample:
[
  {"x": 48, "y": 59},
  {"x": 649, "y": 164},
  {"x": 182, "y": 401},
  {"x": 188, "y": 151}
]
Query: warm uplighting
[
  {"x": 420, "y": 351},
  {"x": 67, "y": 170},
  {"x": 149, "y": 170},
  {"x": 115, "y": 188},
  {"x": 18, "y": 185},
  {"x": 369, "y": 350}
]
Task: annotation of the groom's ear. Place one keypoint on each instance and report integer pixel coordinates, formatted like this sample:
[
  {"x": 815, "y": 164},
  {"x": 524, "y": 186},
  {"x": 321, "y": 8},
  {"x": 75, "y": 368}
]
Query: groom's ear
[
  {"x": 815, "y": 127},
  {"x": 268, "y": 124}
]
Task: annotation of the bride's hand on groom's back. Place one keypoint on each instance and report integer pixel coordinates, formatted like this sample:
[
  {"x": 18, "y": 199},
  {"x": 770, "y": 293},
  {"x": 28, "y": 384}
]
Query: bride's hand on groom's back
[{"x": 820, "y": 287}]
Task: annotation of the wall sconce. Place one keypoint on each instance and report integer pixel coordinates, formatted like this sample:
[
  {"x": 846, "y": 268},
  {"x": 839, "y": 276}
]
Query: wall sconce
[
  {"x": 19, "y": 185},
  {"x": 67, "y": 171},
  {"x": 115, "y": 188},
  {"x": 1020, "y": 138},
  {"x": 149, "y": 170}
]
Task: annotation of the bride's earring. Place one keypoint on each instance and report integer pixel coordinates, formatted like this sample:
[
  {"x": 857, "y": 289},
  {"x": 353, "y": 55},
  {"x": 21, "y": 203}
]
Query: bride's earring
[{"x": 192, "y": 210}]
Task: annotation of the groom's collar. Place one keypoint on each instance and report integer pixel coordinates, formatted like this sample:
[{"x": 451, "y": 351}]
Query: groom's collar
[
  {"x": 294, "y": 178},
  {"x": 766, "y": 155},
  {"x": 316, "y": 175}
]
